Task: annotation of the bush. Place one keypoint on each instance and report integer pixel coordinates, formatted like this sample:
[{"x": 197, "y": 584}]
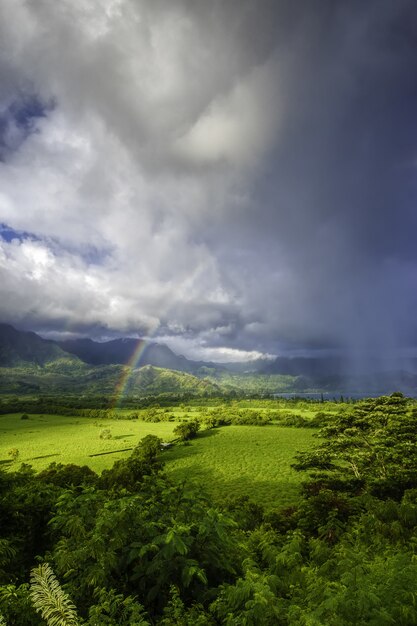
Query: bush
[
  {"x": 69, "y": 475},
  {"x": 25, "y": 416},
  {"x": 106, "y": 434},
  {"x": 298, "y": 421},
  {"x": 13, "y": 454},
  {"x": 186, "y": 430}
]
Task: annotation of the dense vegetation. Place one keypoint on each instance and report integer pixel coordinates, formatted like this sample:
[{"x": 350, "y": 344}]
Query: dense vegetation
[{"x": 132, "y": 546}]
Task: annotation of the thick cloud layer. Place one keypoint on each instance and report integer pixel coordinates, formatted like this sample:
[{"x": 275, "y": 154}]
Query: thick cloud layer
[{"x": 231, "y": 176}]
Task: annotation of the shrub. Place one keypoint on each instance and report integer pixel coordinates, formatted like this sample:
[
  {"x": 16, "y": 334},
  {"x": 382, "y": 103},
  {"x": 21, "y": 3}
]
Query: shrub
[
  {"x": 13, "y": 454},
  {"x": 106, "y": 434},
  {"x": 69, "y": 475},
  {"x": 186, "y": 430}
]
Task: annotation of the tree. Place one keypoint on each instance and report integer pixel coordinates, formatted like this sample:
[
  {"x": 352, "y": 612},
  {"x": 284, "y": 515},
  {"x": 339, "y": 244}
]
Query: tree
[
  {"x": 371, "y": 448},
  {"x": 186, "y": 430}
]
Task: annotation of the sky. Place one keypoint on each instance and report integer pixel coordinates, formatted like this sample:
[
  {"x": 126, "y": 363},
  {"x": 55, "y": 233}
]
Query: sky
[{"x": 235, "y": 178}]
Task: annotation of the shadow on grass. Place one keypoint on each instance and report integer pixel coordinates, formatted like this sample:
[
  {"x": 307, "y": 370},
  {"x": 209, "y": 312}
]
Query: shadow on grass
[
  {"x": 110, "y": 452},
  {"x": 220, "y": 488},
  {"x": 181, "y": 449},
  {"x": 123, "y": 436},
  {"x": 205, "y": 434},
  {"x": 221, "y": 485},
  {"x": 43, "y": 456}
]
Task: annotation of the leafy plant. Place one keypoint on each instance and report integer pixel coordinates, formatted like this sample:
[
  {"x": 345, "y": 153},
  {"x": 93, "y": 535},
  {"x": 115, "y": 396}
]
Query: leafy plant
[{"x": 49, "y": 599}]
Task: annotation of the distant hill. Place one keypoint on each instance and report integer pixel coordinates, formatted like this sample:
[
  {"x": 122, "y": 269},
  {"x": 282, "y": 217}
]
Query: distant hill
[
  {"x": 103, "y": 380},
  {"x": 122, "y": 351},
  {"x": 149, "y": 380},
  {"x": 19, "y": 348}
]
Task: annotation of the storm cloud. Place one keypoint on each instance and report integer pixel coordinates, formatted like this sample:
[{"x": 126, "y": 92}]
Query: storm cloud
[{"x": 237, "y": 178}]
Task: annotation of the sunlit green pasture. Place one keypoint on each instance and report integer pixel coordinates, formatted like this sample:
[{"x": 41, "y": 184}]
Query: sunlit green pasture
[
  {"x": 43, "y": 439},
  {"x": 226, "y": 462}
]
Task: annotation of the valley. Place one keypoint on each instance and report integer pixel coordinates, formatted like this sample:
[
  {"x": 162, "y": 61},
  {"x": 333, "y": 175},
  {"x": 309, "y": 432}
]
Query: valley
[{"x": 141, "y": 494}]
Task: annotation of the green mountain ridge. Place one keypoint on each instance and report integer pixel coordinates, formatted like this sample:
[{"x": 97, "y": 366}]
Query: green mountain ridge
[
  {"x": 21, "y": 348},
  {"x": 106, "y": 380}
]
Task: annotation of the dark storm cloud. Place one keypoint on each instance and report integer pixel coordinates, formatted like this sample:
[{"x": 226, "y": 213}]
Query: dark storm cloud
[
  {"x": 245, "y": 171},
  {"x": 334, "y": 206}
]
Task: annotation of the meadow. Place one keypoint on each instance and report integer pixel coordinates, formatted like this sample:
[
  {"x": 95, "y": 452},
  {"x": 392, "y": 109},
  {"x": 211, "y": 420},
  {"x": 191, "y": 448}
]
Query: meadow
[
  {"x": 226, "y": 462},
  {"x": 234, "y": 461}
]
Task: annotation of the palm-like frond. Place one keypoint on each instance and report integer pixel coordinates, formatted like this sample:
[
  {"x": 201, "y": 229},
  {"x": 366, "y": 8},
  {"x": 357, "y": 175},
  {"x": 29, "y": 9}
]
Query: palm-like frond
[
  {"x": 49, "y": 599},
  {"x": 2, "y": 621}
]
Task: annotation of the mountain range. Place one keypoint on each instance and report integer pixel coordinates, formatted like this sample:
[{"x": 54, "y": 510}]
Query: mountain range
[
  {"x": 123, "y": 351},
  {"x": 31, "y": 363},
  {"x": 20, "y": 348}
]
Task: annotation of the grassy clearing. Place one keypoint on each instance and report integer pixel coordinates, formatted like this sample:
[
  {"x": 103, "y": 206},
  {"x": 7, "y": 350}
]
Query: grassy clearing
[
  {"x": 226, "y": 462},
  {"x": 243, "y": 460}
]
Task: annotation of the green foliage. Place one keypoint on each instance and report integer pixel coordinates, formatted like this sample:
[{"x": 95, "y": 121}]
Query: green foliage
[
  {"x": 16, "y": 606},
  {"x": 253, "y": 600},
  {"x": 26, "y": 505},
  {"x": 370, "y": 448},
  {"x": 8, "y": 553},
  {"x": 49, "y": 599},
  {"x": 114, "y": 609},
  {"x": 129, "y": 473},
  {"x": 137, "y": 545},
  {"x": 177, "y": 614},
  {"x": 187, "y": 430},
  {"x": 164, "y": 536},
  {"x": 69, "y": 475}
]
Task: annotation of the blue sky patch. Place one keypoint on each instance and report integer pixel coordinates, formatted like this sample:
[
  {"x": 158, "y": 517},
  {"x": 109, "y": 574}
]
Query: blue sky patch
[
  {"x": 18, "y": 120},
  {"x": 8, "y": 234},
  {"x": 91, "y": 255}
]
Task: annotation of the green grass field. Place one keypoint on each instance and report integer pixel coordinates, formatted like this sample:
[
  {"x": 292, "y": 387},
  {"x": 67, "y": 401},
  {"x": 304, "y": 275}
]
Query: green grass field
[
  {"x": 243, "y": 460},
  {"x": 46, "y": 438},
  {"x": 226, "y": 462}
]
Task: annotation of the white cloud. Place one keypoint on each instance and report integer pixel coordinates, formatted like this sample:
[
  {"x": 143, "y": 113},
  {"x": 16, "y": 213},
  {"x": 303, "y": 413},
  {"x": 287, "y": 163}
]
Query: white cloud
[
  {"x": 236, "y": 127},
  {"x": 108, "y": 184},
  {"x": 197, "y": 349},
  {"x": 185, "y": 178}
]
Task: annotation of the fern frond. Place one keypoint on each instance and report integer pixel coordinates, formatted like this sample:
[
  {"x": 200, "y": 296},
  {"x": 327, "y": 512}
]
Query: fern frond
[
  {"x": 49, "y": 599},
  {"x": 2, "y": 621}
]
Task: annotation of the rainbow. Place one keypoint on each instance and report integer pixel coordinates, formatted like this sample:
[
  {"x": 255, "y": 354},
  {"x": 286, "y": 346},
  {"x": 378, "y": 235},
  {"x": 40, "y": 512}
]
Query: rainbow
[
  {"x": 133, "y": 362},
  {"x": 120, "y": 388}
]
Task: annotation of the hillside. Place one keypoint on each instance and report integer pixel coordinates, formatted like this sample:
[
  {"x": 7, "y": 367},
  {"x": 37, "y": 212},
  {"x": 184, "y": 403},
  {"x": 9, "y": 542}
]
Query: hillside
[
  {"x": 27, "y": 349},
  {"x": 125, "y": 351},
  {"x": 150, "y": 380}
]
